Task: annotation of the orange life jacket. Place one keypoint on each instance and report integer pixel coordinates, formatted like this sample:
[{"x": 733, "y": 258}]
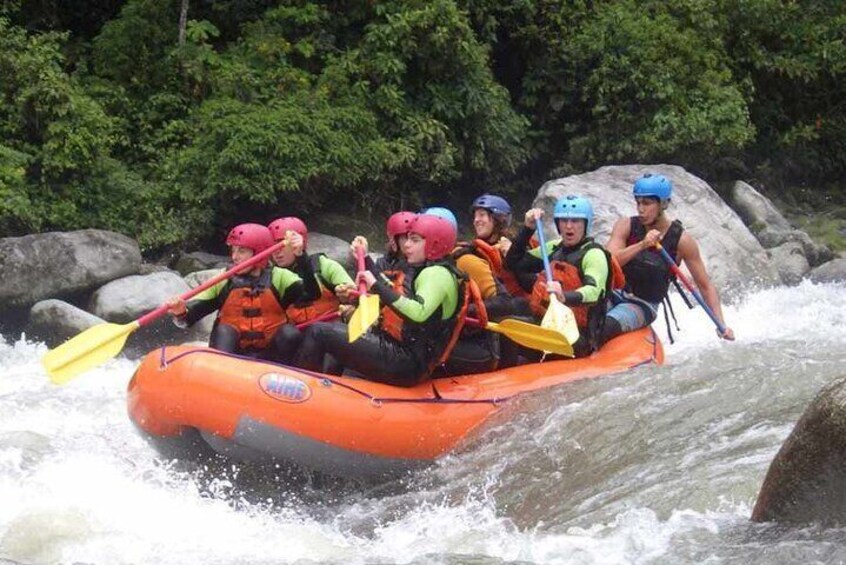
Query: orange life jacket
[
  {"x": 390, "y": 321},
  {"x": 471, "y": 295},
  {"x": 252, "y": 307},
  {"x": 327, "y": 302},
  {"x": 568, "y": 272},
  {"x": 493, "y": 256},
  {"x": 512, "y": 285}
]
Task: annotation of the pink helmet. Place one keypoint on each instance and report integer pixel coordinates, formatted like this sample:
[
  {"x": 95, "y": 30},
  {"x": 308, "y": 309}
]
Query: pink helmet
[
  {"x": 439, "y": 234},
  {"x": 252, "y": 236},
  {"x": 398, "y": 223},
  {"x": 280, "y": 227}
]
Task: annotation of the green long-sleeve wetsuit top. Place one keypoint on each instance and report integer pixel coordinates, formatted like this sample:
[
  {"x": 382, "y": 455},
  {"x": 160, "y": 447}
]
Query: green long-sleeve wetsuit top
[
  {"x": 330, "y": 273},
  {"x": 435, "y": 286},
  {"x": 593, "y": 267}
]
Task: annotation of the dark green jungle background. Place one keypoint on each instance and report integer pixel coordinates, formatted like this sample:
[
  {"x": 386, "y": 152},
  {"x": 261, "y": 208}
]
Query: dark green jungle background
[{"x": 170, "y": 120}]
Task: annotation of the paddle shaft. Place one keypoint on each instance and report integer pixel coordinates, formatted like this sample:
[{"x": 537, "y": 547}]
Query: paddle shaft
[
  {"x": 258, "y": 257},
  {"x": 693, "y": 290},
  {"x": 359, "y": 260},
  {"x": 325, "y": 317},
  {"x": 542, "y": 241}
]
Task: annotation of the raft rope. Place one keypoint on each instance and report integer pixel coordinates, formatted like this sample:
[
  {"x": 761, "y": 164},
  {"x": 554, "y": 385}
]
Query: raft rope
[
  {"x": 327, "y": 381},
  {"x": 375, "y": 400}
]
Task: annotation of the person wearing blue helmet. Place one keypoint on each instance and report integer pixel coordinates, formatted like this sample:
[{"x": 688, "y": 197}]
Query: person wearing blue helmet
[
  {"x": 581, "y": 268},
  {"x": 648, "y": 276},
  {"x": 481, "y": 257},
  {"x": 442, "y": 212}
]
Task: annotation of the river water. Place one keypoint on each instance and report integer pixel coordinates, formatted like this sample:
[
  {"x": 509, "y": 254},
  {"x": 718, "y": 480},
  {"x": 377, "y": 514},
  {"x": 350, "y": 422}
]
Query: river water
[{"x": 659, "y": 465}]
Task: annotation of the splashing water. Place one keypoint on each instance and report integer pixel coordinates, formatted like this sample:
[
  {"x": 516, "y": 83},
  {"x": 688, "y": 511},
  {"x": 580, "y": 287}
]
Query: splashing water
[{"x": 660, "y": 465}]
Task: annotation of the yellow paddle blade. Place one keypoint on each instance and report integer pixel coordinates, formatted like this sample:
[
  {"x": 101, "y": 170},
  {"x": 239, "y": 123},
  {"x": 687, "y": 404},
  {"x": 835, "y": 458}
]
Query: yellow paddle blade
[
  {"x": 364, "y": 316},
  {"x": 560, "y": 318},
  {"x": 86, "y": 350},
  {"x": 533, "y": 337}
]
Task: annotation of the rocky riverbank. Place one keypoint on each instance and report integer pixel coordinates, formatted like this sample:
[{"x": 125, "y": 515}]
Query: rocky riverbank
[{"x": 58, "y": 284}]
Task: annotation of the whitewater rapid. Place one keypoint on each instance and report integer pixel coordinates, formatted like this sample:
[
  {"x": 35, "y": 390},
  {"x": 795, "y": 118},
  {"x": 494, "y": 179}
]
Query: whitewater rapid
[{"x": 659, "y": 465}]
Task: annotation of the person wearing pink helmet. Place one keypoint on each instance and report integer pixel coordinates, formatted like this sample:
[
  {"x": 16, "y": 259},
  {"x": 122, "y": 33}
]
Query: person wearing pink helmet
[
  {"x": 333, "y": 281},
  {"x": 396, "y": 230},
  {"x": 422, "y": 314},
  {"x": 251, "y": 318}
]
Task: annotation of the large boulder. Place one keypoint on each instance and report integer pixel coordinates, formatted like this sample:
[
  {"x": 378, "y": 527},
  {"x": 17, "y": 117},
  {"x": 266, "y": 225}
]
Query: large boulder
[
  {"x": 816, "y": 253},
  {"x": 197, "y": 278},
  {"x": 756, "y": 209},
  {"x": 806, "y": 482},
  {"x": 129, "y": 298},
  {"x": 59, "y": 264},
  {"x": 771, "y": 228},
  {"x": 54, "y": 321},
  {"x": 789, "y": 258},
  {"x": 200, "y": 260},
  {"x": 733, "y": 256},
  {"x": 833, "y": 271},
  {"x": 334, "y": 247},
  {"x": 126, "y": 299}
]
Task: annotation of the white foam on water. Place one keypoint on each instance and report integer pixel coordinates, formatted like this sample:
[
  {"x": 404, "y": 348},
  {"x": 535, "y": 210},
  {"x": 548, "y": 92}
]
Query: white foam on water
[{"x": 78, "y": 484}]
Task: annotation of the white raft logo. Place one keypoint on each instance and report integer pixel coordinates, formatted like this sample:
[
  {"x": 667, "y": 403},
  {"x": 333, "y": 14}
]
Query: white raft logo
[{"x": 284, "y": 387}]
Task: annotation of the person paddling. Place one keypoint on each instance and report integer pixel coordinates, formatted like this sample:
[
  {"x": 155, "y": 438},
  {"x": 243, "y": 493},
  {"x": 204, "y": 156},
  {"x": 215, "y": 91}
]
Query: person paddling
[
  {"x": 334, "y": 283},
  {"x": 633, "y": 242},
  {"x": 421, "y": 314},
  {"x": 581, "y": 268},
  {"x": 396, "y": 230},
  {"x": 251, "y": 306}
]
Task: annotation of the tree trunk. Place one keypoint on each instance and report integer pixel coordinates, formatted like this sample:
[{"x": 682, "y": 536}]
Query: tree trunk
[{"x": 183, "y": 21}]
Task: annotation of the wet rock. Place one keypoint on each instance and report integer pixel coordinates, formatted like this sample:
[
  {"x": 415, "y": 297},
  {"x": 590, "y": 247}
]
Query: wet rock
[
  {"x": 790, "y": 261},
  {"x": 126, "y": 299},
  {"x": 334, "y": 247},
  {"x": 755, "y": 209},
  {"x": 55, "y": 321},
  {"x": 816, "y": 253},
  {"x": 197, "y": 278},
  {"x": 733, "y": 256},
  {"x": 833, "y": 271},
  {"x": 806, "y": 482},
  {"x": 57, "y": 264},
  {"x": 199, "y": 261}
]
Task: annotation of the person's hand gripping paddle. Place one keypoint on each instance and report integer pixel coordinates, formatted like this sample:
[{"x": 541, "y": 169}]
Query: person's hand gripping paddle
[
  {"x": 721, "y": 327},
  {"x": 99, "y": 343},
  {"x": 558, "y": 317},
  {"x": 368, "y": 304}
]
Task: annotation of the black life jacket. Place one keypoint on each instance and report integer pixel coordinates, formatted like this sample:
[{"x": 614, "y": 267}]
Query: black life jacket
[
  {"x": 305, "y": 310},
  {"x": 430, "y": 340},
  {"x": 647, "y": 274}
]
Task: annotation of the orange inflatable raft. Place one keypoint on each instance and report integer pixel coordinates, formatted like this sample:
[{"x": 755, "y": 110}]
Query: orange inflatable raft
[{"x": 256, "y": 410}]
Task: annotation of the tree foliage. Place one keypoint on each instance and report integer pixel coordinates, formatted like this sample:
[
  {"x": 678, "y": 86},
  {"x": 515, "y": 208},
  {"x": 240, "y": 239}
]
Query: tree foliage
[{"x": 106, "y": 120}]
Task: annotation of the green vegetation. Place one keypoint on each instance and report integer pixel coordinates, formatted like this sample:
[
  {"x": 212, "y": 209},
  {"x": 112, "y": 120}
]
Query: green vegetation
[{"x": 129, "y": 116}]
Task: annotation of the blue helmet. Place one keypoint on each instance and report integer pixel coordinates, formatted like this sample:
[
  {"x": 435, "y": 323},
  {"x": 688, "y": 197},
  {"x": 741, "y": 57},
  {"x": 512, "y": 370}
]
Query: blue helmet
[
  {"x": 572, "y": 206},
  {"x": 440, "y": 212},
  {"x": 656, "y": 186},
  {"x": 496, "y": 205}
]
